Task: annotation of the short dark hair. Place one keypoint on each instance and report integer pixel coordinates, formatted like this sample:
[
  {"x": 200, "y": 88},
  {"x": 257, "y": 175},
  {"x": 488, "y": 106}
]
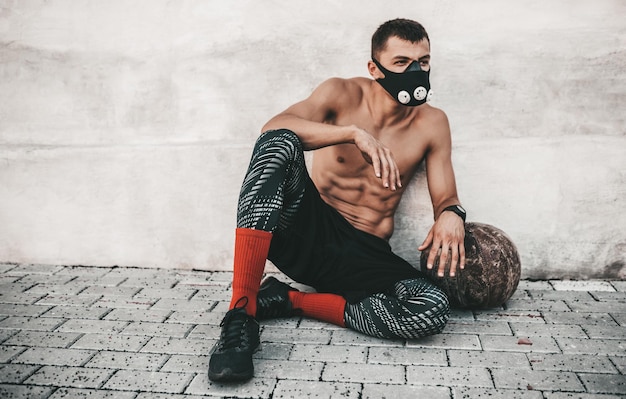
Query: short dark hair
[{"x": 405, "y": 29}]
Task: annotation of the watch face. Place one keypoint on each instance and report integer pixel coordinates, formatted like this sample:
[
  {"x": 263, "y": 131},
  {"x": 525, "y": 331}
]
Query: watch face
[{"x": 460, "y": 208}]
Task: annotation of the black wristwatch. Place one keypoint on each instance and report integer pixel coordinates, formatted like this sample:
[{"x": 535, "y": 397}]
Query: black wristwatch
[{"x": 458, "y": 209}]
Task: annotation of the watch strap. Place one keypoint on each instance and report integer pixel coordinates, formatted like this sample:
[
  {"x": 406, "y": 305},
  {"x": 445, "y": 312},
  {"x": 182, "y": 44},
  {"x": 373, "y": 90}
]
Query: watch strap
[{"x": 458, "y": 209}]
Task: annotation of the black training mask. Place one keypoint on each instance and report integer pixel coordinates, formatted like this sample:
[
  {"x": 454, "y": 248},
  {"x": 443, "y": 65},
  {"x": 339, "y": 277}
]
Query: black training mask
[{"x": 410, "y": 88}]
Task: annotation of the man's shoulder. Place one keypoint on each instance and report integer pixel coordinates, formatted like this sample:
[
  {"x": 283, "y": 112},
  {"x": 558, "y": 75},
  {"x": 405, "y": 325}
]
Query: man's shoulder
[
  {"x": 435, "y": 113},
  {"x": 432, "y": 116},
  {"x": 357, "y": 83},
  {"x": 341, "y": 92}
]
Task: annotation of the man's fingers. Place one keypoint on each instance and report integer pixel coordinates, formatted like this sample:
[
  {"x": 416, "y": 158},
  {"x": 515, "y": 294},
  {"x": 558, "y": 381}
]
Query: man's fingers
[
  {"x": 443, "y": 261},
  {"x": 394, "y": 173},
  {"x": 462, "y": 256},
  {"x": 381, "y": 158},
  {"x": 384, "y": 164},
  {"x": 398, "y": 179},
  {"x": 447, "y": 239},
  {"x": 427, "y": 241},
  {"x": 432, "y": 256},
  {"x": 385, "y": 168},
  {"x": 454, "y": 260},
  {"x": 375, "y": 163}
]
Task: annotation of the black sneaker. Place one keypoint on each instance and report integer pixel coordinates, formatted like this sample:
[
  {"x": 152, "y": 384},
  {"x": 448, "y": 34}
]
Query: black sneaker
[
  {"x": 273, "y": 300},
  {"x": 231, "y": 357}
]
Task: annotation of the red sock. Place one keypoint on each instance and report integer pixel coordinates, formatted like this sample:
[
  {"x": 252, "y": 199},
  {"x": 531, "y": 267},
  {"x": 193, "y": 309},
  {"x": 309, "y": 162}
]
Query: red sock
[
  {"x": 251, "y": 249},
  {"x": 325, "y": 307}
]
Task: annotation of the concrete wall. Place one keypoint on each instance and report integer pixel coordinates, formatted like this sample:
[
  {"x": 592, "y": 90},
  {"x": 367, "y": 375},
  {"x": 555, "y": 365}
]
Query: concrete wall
[{"x": 126, "y": 126}]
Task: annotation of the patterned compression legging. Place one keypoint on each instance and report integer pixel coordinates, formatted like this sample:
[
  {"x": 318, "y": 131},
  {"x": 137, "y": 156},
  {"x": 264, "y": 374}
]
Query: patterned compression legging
[
  {"x": 274, "y": 184},
  {"x": 270, "y": 195}
]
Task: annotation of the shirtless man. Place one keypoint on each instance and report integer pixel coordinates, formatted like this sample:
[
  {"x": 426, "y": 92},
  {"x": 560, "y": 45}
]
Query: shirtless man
[{"x": 330, "y": 230}]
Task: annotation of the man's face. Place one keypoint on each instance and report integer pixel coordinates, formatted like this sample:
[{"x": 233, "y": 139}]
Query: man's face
[{"x": 398, "y": 54}]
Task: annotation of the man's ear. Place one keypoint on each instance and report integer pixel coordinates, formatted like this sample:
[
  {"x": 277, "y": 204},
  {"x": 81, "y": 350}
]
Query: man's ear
[{"x": 374, "y": 71}]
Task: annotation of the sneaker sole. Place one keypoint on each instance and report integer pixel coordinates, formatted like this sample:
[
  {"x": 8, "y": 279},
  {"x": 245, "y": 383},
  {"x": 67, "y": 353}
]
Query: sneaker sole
[{"x": 227, "y": 375}]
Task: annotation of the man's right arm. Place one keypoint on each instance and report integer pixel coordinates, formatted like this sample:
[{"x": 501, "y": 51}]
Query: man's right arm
[{"x": 312, "y": 121}]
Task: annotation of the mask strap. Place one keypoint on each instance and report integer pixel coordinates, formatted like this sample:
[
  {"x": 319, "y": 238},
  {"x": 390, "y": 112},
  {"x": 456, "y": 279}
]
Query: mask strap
[{"x": 382, "y": 68}]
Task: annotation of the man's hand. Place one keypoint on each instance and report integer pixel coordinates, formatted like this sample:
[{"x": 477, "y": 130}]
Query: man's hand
[
  {"x": 447, "y": 235},
  {"x": 380, "y": 157}
]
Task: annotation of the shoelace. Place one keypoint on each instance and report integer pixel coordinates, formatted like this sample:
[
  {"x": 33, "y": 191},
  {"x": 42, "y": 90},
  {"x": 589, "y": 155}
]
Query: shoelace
[{"x": 234, "y": 334}]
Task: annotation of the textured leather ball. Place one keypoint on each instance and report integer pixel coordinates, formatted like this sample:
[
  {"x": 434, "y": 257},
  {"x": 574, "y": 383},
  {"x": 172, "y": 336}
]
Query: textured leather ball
[{"x": 491, "y": 274}]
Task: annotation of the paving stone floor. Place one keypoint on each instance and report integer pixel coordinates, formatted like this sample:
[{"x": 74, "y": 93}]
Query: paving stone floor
[{"x": 129, "y": 333}]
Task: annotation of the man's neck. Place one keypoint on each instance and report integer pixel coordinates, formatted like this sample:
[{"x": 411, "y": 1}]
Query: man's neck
[{"x": 385, "y": 111}]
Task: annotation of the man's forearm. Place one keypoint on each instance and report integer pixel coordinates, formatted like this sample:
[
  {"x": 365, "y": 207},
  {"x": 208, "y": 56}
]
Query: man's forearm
[{"x": 313, "y": 135}]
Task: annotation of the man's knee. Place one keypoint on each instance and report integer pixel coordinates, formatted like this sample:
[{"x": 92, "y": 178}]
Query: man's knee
[
  {"x": 387, "y": 316},
  {"x": 279, "y": 139},
  {"x": 426, "y": 314}
]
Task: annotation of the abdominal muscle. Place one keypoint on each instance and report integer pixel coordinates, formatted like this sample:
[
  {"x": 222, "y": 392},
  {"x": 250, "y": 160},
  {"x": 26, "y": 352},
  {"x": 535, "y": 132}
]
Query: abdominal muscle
[{"x": 349, "y": 185}]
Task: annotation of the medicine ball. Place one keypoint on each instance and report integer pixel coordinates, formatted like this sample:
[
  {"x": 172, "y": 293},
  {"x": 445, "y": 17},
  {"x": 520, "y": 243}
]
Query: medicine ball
[{"x": 491, "y": 274}]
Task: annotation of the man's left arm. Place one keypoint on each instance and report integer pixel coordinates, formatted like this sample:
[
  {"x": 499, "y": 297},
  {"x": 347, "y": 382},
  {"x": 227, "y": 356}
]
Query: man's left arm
[{"x": 446, "y": 236}]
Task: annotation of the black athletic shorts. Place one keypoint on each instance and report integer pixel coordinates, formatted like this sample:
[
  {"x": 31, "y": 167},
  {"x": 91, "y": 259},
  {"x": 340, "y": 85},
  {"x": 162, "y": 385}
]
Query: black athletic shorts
[{"x": 323, "y": 250}]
